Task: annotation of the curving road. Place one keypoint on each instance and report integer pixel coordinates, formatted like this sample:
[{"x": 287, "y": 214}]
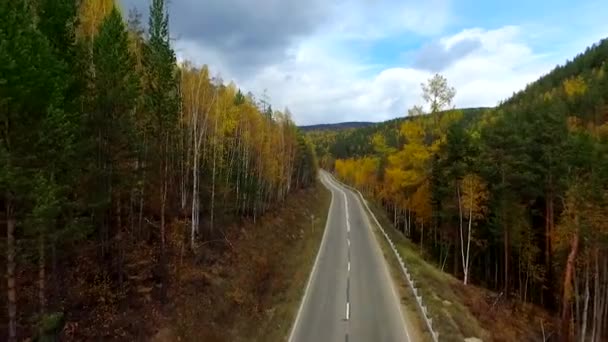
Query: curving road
[{"x": 349, "y": 296}]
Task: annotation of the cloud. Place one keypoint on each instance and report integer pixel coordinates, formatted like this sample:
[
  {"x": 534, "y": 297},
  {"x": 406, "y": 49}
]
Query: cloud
[
  {"x": 245, "y": 34},
  {"x": 328, "y": 86},
  {"x": 335, "y": 60},
  {"x": 376, "y": 19},
  {"x": 437, "y": 56}
]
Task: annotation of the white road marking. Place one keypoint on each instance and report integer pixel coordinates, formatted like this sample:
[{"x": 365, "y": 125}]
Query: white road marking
[
  {"x": 347, "y": 311},
  {"x": 349, "y": 266},
  {"x": 377, "y": 248},
  {"x": 314, "y": 267},
  {"x": 346, "y": 209},
  {"x": 348, "y": 240}
]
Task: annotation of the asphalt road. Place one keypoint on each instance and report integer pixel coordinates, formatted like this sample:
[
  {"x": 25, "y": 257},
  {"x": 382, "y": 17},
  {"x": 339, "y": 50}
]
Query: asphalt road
[{"x": 349, "y": 296}]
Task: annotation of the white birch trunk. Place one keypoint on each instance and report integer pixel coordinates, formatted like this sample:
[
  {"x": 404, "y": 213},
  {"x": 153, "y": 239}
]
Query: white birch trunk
[
  {"x": 585, "y": 306},
  {"x": 461, "y": 232}
]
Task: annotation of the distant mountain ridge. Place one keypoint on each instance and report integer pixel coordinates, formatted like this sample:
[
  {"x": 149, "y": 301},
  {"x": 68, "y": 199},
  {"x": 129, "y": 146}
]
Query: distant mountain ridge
[
  {"x": 348, "y": 142},
  {"x": 336, "y": 126}
]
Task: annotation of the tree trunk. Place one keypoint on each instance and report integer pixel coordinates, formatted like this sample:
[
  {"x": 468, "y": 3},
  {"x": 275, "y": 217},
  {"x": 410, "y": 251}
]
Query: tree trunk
[
  {"x": 575, "y": 317},
  {"x": 41, "y": 273},
  {"x": 548, "y": 228},
  {"x": 409, "y": 221},
  {"x": 195, "y": 198},
  {"x": 434, "y": 229},
  {"x": 131, "y": 211},
  {"x": 464, "y": 266},
  {"x": 549, "y": 222},
  {"x": 565, "y": 333},
  {"x": 10, "y": 271},
  {"x": 163, "y": 194},
  {"x": 395, "y": 216},
  {"x": 506, "y": 256},
  {"x": 445, "y": 259},
  {"x": 213, "y": 175},
  {"x": 603, "y": 300},
  {"x": 505, "y": 228},
  {"x": 585, "y": 306},
  {"x": 163, "y": 205},
  {"x": 496, "y": 258},
  {"x": 526, "y": 282},
  {"x": 142, "y": 190},
  {"x": 600, "y": 292},
  {"x": 421, "y": 235},
  {"x": 596, "y": 297}
]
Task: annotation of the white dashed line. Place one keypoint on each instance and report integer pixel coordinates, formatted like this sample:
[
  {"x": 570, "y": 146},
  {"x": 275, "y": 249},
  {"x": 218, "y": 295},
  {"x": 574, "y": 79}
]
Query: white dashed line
[
  {"x": 346, "y": 209},
  {"x": 347, "y": 311}
]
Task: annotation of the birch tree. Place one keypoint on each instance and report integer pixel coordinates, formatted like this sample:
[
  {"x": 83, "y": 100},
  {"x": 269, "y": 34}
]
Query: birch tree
[{"x": 472, "y": 201}]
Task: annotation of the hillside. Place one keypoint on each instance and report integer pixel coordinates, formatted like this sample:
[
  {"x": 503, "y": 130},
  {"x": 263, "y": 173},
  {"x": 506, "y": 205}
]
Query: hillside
[
  {"x": 335, "y": 126},
  {"x": 461, "y": 311},
  {"x": 357, "y": 142},
  {"x": 513, "y": 199}
]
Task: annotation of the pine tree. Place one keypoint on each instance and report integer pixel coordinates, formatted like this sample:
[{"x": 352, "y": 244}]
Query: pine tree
[
  {"x": 114, "y": 93},
  {"x": 30, "y": 92},
  {"x": 162, "y": 100}
]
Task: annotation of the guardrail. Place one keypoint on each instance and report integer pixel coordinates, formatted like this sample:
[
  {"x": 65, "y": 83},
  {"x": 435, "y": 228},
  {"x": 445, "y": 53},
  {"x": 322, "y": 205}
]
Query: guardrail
[{"x": 423, "y": 309}]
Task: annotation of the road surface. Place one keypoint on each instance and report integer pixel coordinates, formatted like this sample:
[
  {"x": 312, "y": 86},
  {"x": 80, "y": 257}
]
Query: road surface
[{"x": 349, "y": 296}]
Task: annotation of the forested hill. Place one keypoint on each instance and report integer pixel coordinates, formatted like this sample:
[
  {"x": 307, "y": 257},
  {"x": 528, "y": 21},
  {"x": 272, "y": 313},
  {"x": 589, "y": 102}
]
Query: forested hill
[
  {"x": 120, "y": 167},
  {"x": 335, "y": 126},
  {"x": 357, "y": 142},
  {"x": 514, "y": 198}
]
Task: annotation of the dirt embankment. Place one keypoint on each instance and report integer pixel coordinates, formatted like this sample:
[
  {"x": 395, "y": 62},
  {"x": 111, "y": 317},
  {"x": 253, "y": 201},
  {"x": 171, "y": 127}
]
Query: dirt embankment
[{"x": 250, "y": 290}]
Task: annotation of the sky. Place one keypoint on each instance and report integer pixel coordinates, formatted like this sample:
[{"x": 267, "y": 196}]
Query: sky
[{"x": 364, "y": 60}]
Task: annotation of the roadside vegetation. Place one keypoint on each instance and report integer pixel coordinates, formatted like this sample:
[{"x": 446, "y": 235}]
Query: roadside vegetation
[
  {"x": 513, "y": 199},
  {"x": 460, "y": 311},
  {"x": 252, "y": 291}
]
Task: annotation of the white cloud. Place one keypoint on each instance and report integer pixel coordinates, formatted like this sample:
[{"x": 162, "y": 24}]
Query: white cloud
[
  {"x": 331, "y": 60},
  {"x": 327, "y": 76},
  {"x": 503, "y": 64},
  {"x": 374, "y": 19},
  {"x": 322, "y": 85}
]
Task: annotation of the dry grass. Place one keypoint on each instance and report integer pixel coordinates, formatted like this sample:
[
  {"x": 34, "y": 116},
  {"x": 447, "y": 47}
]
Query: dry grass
[{"x": 252, "y": 291}]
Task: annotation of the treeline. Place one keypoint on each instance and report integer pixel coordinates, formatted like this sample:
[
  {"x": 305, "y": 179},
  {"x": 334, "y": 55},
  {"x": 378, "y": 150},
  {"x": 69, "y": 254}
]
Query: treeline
[
  {"x": 516, "y": 199},
  {"x": 108, "y": 144},
  {"x": 353, "y": 143}
]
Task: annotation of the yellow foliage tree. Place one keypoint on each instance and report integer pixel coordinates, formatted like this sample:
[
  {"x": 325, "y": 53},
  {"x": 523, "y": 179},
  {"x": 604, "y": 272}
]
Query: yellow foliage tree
[
  {"x": 421, "y": 206},
  {"x": 575, "y": 86},
  {"x": 91, "y": 14}
]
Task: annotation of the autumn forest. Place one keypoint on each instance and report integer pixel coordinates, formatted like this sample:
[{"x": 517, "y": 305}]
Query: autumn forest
[
  {"x": 512, "y": 198},
  {"x": 117, "y": 162},
  {"x": 132, "y": 181}
]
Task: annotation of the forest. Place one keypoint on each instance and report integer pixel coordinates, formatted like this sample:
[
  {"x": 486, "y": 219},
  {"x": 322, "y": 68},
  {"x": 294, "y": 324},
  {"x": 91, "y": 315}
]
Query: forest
[
  {"x": 117, "y": 160},
  {"x": 512, "y": 198}
]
